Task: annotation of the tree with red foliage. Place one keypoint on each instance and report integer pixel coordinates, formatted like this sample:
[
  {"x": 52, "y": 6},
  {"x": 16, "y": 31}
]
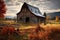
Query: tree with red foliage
[{"x": 2, "y": 8}]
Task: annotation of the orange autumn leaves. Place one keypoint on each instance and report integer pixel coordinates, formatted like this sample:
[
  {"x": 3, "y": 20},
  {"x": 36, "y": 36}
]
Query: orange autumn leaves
[
  {"x": 2, "y": 8},
  {"x": 8, "y": 29}
]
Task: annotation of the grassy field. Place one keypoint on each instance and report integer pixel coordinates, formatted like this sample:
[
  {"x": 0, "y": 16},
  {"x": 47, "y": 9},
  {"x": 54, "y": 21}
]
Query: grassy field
[{"x": 17, "y": 31}]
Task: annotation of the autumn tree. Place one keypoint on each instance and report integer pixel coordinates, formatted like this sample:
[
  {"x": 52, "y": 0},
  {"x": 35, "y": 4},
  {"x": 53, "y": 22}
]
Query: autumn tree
[{"x": 2, "y": 8}]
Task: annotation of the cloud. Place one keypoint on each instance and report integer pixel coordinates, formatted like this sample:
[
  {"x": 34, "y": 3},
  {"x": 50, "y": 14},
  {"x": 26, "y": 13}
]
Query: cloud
[
  {"x": 55, "y": 4},
  {"x": 48, "y": 4},
  {"x": 14, "y": 6}
]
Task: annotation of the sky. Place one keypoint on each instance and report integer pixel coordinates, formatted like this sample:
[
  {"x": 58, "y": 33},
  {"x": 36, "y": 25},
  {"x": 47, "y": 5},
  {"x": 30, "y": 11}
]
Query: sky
[{"x": 14, "y": 6}]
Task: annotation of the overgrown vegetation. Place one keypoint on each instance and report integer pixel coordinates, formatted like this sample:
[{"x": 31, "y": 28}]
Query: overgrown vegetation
[{"x": 38, "y": 33}]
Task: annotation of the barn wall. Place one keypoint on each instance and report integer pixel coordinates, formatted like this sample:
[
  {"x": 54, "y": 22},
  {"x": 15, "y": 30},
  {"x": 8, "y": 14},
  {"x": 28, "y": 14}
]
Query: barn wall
[{"x": 26, "y": 13}]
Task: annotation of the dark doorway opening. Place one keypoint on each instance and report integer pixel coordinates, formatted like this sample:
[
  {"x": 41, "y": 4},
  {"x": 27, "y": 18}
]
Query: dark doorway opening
[{"x": 27, "y": 19}]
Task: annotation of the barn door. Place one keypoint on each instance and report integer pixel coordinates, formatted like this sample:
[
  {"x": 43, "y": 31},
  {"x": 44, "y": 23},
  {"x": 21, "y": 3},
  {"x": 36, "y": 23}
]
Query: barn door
[{"x": 27, "y": 19}]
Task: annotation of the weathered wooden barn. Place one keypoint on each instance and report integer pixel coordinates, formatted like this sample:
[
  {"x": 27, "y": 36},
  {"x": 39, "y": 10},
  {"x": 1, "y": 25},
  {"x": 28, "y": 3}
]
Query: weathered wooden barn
[{"x": 29, "y": 14}]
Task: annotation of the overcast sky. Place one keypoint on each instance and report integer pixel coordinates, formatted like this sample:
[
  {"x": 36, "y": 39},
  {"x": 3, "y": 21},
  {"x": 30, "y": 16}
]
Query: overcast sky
[{"x": 14, "y": 6}]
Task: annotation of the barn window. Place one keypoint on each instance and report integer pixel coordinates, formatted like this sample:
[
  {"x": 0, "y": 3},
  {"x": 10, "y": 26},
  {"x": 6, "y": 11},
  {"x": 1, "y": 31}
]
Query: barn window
[
  {"x": 35, "y": 11},
  {"x": 31, "y": 9},
  {"x": 27, "y": 19}
]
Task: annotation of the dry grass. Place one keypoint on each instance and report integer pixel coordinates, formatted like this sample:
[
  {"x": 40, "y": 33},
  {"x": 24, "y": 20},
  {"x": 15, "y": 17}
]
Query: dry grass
[
  {"x": 28, "y": 32},
  {"x": 52, "y": 32}
]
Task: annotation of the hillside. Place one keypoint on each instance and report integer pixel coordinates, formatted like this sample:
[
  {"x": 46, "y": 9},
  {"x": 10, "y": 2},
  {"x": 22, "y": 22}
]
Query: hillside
[{"x": 53, "y": 15}]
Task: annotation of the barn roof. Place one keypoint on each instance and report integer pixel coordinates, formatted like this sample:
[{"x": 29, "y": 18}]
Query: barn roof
[{"x": 34, "y": 10}]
